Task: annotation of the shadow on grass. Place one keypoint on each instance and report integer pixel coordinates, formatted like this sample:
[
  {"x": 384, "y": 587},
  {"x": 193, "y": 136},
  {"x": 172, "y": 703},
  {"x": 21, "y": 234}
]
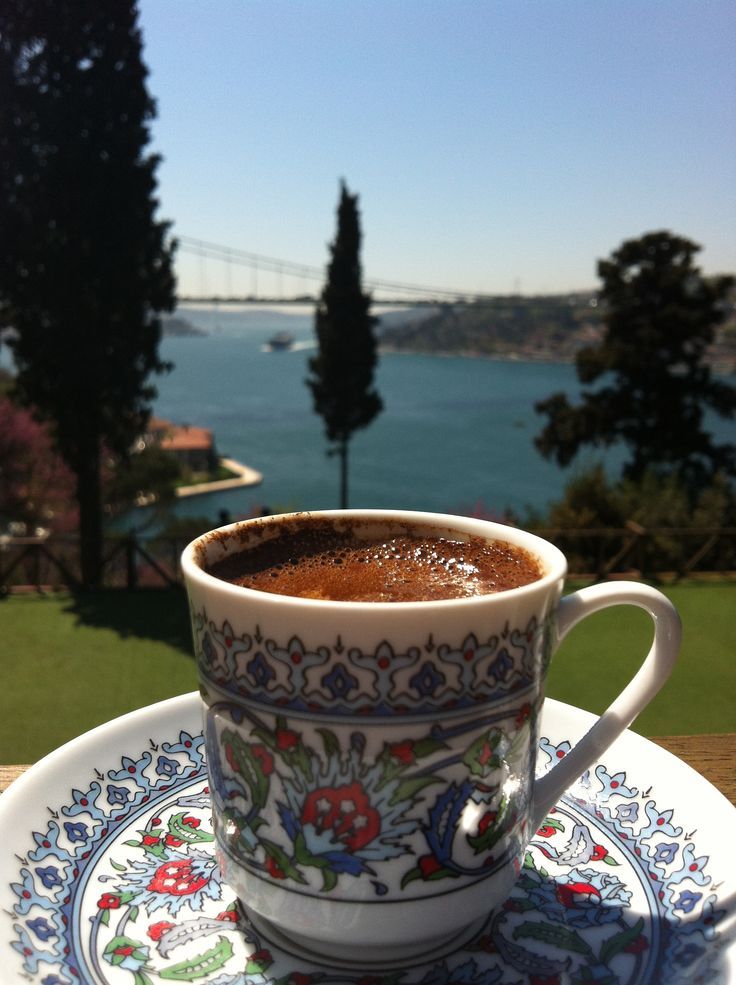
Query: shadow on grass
[{"x": 161, "y": 614}]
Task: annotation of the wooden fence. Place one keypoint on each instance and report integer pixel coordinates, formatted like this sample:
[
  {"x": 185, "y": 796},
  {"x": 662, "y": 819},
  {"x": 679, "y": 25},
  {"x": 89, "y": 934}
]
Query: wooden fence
[
  {"x": 47, "y": 564},
  {"x": 53, "y": 563}
]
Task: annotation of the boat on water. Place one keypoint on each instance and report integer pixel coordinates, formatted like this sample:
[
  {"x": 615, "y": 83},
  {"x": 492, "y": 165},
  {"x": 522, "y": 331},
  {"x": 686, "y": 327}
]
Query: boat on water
[{"x": 280, "y": 341}]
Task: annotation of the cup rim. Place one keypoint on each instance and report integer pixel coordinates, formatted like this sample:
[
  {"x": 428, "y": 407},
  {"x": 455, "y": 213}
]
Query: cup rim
[{"x": 551, "y": 557}]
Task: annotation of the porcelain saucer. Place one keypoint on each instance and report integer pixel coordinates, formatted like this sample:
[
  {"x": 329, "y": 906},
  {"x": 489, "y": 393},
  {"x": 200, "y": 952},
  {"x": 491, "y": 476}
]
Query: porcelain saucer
[{"x": 107, "y": 875}]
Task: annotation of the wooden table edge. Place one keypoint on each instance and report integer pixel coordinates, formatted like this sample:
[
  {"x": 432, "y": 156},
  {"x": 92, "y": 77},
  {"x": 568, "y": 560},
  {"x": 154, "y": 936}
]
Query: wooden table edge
[{"x": 713, "y": 756}]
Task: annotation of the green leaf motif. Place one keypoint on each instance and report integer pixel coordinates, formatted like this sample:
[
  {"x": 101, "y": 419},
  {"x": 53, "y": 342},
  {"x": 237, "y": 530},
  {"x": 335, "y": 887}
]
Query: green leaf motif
[
  {"x": 416, "y": 873},
  {"x": 330, "y": 742},
  {"x": 247, "y": 765},
  {"x": 329, "y": 880},
  {"x": 425, "y": 747},
  {"x": 523, "y": 904},
  {"x": 282, "y": 861},
  {"x": 395, "y": 764},
  {"x": 411, "y": 876},
  {"x": 593, "y": 976},
  {"x": 299, "y": 758},
  {"x": 157, "y": 849},
  {"x": 305, "y": 857},
  {"x": 485, "y": 841},
  {"x": 408, "y": 789},
  {"x": 122, "y": 948},
  {"x": 200, "y": 966},
  {"x": 186, "y": 833},
  {"x": 259, "y": 965},
  {"x": 551, "y": 822},
  {"x": 480, "y": 757},
  {"x": 614, "y": 945},
  {"x": 557, "y": 936}
]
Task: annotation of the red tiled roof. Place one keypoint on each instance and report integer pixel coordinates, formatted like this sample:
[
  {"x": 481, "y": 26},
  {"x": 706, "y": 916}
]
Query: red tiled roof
[{"x": 176, "y": 437}]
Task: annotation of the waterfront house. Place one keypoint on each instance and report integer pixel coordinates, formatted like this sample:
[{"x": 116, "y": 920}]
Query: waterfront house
[{"x": 194, "y": 447}]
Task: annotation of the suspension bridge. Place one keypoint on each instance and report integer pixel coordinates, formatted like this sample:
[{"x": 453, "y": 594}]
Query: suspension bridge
[{"x": 226, "y": 275}]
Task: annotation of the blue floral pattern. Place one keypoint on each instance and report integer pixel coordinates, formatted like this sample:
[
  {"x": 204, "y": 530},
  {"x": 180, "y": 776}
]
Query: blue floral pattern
[
  {"x": 125, "y": 891},
  {"x": 343, "y": 680}
]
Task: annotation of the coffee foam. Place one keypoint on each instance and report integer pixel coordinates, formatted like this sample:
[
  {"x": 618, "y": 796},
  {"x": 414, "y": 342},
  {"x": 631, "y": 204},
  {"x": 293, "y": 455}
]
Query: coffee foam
[{"x": 358, "y": 564}]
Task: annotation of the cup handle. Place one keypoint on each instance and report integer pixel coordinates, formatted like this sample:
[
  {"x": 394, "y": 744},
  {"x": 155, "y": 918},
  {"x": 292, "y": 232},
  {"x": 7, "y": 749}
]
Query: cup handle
[{"x": 638, "y": 692}]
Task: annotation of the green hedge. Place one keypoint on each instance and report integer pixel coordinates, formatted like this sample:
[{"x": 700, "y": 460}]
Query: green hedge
[{"x": 72, "y": 662}]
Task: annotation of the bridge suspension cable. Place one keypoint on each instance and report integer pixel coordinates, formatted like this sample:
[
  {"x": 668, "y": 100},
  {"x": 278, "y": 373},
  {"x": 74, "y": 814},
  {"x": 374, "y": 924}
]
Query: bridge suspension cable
[{"x": 390, "y": 290}]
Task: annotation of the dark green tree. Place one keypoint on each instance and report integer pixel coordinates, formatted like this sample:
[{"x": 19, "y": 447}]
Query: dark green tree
[
  {"x": 653, "y": 382},
  {"x": 85, "y": 267},
  {"x": 152, "y": 473},
  {"x": 341, "y": 374}
]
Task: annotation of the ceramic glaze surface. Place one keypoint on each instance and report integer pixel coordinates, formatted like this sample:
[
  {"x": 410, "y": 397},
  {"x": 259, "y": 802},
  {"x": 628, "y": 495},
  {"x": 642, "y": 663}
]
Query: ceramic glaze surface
[
  {"x": 108, "y": 875},
  {"x": 371, "y": 758}
]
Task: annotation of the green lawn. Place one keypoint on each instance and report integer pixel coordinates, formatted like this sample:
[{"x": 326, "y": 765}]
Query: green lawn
[
  {"x": 601, "y": 654},
  {"x": 72, "y": 662}
]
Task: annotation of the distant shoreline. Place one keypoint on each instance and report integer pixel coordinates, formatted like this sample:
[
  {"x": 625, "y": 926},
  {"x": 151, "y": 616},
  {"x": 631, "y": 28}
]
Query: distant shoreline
[
  {"x": 721, "y": 361},
  {"x": 719, "y": 365},
  {"x": 505, "y": 357},
  {"x": 244, "y": 476}
]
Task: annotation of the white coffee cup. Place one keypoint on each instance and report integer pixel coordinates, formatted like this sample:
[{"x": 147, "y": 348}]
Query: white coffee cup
[{"x": 372, "y": 763}]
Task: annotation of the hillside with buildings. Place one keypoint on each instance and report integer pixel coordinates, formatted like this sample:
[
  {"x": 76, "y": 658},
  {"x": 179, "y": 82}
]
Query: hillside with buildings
[{"x": 550, "y": 328}]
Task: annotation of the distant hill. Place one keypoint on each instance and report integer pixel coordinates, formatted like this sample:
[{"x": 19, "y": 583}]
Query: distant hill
[
  {"x": 544, "y": 328},
  {"x": 548, "y": 328},
  {"x": 175, "y": 325}
]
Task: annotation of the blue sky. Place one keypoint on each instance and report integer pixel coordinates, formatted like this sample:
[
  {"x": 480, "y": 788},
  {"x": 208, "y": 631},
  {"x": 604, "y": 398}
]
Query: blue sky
[{"x": 495, "y": 146}]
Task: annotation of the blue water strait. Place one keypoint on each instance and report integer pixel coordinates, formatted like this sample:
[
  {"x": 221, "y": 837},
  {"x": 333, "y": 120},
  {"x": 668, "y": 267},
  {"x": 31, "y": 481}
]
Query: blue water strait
[{"x": 455, "y": 432}]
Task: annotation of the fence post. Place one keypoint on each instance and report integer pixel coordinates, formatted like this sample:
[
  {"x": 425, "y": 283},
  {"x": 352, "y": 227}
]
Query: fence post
[
  {"x": 639, "y": 549},
  {"x": 131, "y": 562},
  {"x": 36, "y": 567}
]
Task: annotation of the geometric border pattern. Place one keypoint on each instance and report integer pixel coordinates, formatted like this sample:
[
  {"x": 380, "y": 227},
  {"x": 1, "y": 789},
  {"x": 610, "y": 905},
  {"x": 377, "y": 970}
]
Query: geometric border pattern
[{"x": 342, "y": 680}]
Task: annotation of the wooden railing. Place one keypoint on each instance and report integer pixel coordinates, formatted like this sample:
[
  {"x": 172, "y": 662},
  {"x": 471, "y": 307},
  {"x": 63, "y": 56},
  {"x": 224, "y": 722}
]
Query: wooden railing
[
  {"x": 53, "y": 562},
  {"x": 659, "y": 553}
]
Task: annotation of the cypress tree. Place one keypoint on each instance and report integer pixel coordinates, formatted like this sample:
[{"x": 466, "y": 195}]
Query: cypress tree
[
  {"x": 85, "y": 267},
  {"x": 341, "y": 374}
]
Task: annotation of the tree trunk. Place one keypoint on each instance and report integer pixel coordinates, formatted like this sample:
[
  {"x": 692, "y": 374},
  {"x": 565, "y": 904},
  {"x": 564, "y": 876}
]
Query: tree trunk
[
  {"x": 344, "y": 474},
  {"x": 89, "y": 498}
]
